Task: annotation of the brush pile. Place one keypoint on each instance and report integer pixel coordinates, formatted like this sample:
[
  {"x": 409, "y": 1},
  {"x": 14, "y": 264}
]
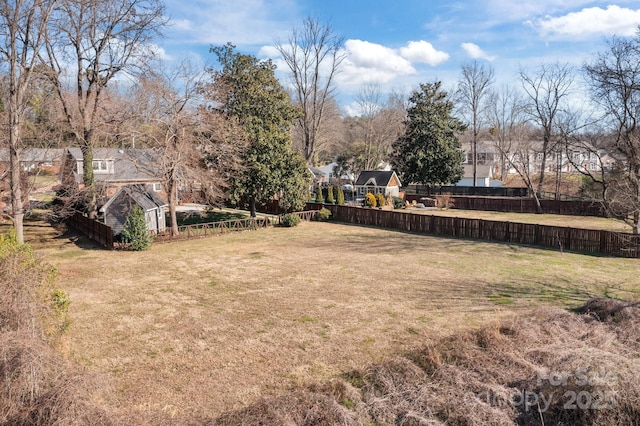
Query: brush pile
[
  {"x": 557, "y": 367},
  {"x": 37, "y": 385}
]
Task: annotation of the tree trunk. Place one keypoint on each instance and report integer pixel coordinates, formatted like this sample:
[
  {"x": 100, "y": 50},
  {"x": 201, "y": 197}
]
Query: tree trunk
[
  {"x": 538, "y": 204},
  {"x": 91, "y": 202},
  {"x": 636, "y": 222},
  {"x": 173, "y": 202},
  {"x": 543, "y": 165},
  {"x": 15, "y": 182},
  {"x": 558, "y": 175},
  {"x": 474, "y": 150},
  {"x": 252, "y": 206}
]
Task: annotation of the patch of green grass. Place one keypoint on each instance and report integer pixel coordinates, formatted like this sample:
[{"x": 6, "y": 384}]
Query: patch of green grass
[
  {"x": 191, "y": 218},
  {"x": 354, "y": 378},
  {"x": 500, "y": 299},
  {"x": 307, "y": 318},
  {"x": 348, "y": 404}
]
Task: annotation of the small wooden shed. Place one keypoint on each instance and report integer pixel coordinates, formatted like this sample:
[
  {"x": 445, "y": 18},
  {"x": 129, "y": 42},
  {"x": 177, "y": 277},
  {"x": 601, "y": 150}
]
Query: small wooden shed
[
  {"x": 378, "y": 181},
  {"x": 121, "y": 204}
]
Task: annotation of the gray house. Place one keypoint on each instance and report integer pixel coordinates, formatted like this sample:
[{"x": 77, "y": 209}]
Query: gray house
[
  {"x": 121, "y": 204},
  {"x": 114, "y": 168}
]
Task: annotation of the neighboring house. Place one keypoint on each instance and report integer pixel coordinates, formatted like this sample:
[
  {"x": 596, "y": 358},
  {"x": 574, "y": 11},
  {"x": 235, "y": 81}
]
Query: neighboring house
[
  {"x": 378, "y": 181},
  {"x": 484, "y": 176},
  {"x": 583, "y": 157},
  {"x": 121, "y": 204},
  {"x": 114, "y": 168},
  {"x": 326, "y": 174},
  {"x": 35, "y": 159},
  {"x": 33, "y": 162}
]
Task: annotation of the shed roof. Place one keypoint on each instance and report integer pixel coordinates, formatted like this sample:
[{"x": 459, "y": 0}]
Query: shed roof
[
  {"x": 145, "y": 199},
  {"x": 380, "y": 178}
]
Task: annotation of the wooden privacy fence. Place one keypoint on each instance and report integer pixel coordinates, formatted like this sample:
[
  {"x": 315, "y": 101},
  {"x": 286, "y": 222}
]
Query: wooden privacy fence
[
  {"x": 558, "y": 237},
  {"x": 424, "y": 190},
  {"x": 519, "y": 205},
  {"x": 93, "y": 229},
  {"x": 528, "y": 205}
]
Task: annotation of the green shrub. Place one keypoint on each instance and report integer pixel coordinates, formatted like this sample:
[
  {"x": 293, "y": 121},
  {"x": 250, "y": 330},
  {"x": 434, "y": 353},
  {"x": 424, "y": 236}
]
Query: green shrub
[
  {"x": 370, "y": 200},
  {"x": 323, "y": 214},
  {"x": 290, "y": 220},
  {"x": 340, "y": 197},
  {"x": 380, "y": 199},
  {"x": 398, "y": 203},
  {"x": 330, "y": 198},
  {"x": 319, "y": 197},
  {"x": 135, "y": 232}
]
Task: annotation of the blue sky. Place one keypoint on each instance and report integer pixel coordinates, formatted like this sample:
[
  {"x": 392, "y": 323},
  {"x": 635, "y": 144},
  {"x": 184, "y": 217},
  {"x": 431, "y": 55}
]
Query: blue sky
[{"x": 401, "y": 43}]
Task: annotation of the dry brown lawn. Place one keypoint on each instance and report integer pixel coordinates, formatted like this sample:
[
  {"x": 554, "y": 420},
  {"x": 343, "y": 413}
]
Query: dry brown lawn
[{"x": 196, "y": 328}]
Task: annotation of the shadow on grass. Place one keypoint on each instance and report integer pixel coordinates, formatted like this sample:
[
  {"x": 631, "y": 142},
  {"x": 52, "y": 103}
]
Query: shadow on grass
[{"x": 192, "y": 218}]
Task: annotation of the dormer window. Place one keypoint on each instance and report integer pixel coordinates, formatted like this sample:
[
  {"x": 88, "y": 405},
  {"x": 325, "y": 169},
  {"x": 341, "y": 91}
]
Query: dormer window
[{"x": 100, "y": 166}]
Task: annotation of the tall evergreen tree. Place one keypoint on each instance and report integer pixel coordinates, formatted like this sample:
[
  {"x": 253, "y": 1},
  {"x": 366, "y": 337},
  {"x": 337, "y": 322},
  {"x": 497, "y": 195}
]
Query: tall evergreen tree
[
  {"x": 429, "y": 152},
  {"x": 247, "y": 90}
]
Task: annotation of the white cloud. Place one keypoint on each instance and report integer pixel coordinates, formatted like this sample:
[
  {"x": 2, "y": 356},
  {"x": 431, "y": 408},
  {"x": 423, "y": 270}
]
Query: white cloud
[
  {"x": 510, "y": 10},
  {"x": 474, "y": 51},
  {"x": 371, "y": 55},
  {"x": 160, "y": 52},
  {"x": 370, "y": 62},
  {"x": 268, "y": 52},
  {"x": 423, "y": 51},
  {"x": 589, "y": 22},
  {"x": 240, "y": 22}
]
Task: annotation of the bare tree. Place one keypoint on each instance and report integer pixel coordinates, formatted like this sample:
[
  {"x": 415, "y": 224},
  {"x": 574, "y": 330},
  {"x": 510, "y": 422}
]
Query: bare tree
[
  {"x": 313, "y": 54},
  {"x": 614, "y": 79},
  {"x": 472, "y": 93},
  {"x": 547, "y": 90},
  {"x": 506, "y": 120},
  {"x": 329, "y": 137},
  {"x": 22, "y": 33},
  {"x": 378, "y": 126},
  {"x": 97, "y": 40},
  {"x": 195, "y": 146}
]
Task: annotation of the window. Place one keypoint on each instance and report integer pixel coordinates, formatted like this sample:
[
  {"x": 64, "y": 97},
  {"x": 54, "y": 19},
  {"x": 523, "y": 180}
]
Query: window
[
  {"x": 157, "y": 187},
  {"x": 100, "y": 166}
]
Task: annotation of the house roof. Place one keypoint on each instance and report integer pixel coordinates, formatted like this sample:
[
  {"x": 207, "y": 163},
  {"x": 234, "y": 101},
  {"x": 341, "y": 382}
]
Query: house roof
[
  {"x": 35, "y": 155},
  {"x": 380, "y": 178},
  {"x": 138, "y": 193},
  {"x": 130, "y": 165}
]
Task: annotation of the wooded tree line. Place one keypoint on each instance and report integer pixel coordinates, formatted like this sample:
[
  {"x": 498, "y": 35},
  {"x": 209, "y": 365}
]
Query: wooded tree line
[{"x": 86, "y": 73}]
